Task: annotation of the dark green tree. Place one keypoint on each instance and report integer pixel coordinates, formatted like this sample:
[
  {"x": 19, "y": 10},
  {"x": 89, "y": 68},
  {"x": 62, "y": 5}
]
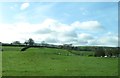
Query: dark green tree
[
  {"x": 31, "y": 42},
  {"x": 99, "y": 51}
]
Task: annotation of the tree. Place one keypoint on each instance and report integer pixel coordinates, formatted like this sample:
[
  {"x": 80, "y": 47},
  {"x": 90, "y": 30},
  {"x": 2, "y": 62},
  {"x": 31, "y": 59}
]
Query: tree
[
  {"x": 26, "y": 43},
  {"x": 99, "y": 51},
  {"x": 16, "y": 42},
  {"x": 31, "y": 42},
  {"x": 67, "y": 46},
  {"x": 115, "y": 52}
]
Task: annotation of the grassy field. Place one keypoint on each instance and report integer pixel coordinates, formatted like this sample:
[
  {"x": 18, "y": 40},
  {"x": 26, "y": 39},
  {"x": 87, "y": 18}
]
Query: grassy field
[{"x": 47, "y": 62}]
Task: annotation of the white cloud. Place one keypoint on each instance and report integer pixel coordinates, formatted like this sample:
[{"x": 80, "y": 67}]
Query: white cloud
[
  {"x": 105, "y": 40},
  {"x": 51, "y": 39},
  {"x": 53, "y": 31},
  {"x": 85, "y": 36},
  {"x": 7, "y": 33},
  {"x": 109, "y": 40},
  {"x": 88, "y": 25},
  {"x": 24, "y": 6},
  {"x": 37, "y": 13}
]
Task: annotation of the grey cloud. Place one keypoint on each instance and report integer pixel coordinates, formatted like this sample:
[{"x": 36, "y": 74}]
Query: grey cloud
[
  {"x": 43, "y": 31},
  {"x": 70, "y": 34},
  {"x": 51, "y": 40},
  {"x": 62, "y": 33}
]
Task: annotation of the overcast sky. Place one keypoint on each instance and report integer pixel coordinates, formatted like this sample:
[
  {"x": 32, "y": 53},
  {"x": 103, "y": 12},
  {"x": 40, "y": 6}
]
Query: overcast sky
[{"x": 79, "y": 23}]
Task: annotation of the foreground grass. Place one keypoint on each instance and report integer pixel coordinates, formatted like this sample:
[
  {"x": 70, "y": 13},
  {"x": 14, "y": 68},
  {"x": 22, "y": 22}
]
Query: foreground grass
[{"x": 47, "y": 62}]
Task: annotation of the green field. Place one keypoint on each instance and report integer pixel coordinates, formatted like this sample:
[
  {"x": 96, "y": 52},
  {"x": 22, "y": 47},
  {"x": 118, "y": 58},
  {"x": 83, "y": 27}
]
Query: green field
[{"x": 47, "y": 62}]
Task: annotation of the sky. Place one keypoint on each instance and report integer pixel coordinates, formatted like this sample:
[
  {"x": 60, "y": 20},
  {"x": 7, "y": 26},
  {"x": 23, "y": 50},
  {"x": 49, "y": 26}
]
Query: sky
[{"x": 77, "y": 23}]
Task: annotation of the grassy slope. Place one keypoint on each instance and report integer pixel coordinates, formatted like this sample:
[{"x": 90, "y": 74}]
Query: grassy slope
[{"x": 46, "y": 62}]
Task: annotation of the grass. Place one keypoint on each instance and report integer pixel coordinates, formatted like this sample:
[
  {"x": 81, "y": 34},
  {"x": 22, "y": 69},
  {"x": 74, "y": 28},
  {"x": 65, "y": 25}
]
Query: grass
[
  {"x": 0, "y": 64},
  {"x": 47, "y": 62}
]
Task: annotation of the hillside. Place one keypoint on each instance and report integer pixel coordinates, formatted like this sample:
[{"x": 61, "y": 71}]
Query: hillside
[{"x": 54, "y": 62}]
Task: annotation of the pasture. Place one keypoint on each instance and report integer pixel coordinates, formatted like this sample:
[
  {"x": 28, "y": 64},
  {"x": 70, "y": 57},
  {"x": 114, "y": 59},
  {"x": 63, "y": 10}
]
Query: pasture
[{"x": 55, "y": 62}]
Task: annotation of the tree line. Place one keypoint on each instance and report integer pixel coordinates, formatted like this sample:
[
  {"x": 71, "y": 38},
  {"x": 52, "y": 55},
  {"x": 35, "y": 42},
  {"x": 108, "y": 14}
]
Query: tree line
[{"x": 98, "y": 51}]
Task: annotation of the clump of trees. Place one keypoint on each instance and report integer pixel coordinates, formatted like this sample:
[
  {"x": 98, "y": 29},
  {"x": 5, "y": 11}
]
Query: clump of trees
[
  {"x": 29, "y": 42},
  {"x": 16, "y": 43},
  {"x": 99, "y": 51},
  {"x": 67, "y": 46},
  {"x": 112, "y": 52},
  {"x": 106, "y": 52}
]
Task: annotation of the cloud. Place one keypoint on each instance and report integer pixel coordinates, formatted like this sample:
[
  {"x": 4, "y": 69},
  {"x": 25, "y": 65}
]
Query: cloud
[
  {"x": 88, "y": 25},
  {"x": 24, "y": 6},
  {"x": 8, "y": 34},
  {"x": 43, "y": 31},
  {"x": 63, "y": 33},
  {"x": 85, "y": 36},
  {"x": 53, "y": 31},
  {"x": 51, "y": 39},
  {"x": 71, "y": 34},
  {"x": 107, "y": 39}
]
